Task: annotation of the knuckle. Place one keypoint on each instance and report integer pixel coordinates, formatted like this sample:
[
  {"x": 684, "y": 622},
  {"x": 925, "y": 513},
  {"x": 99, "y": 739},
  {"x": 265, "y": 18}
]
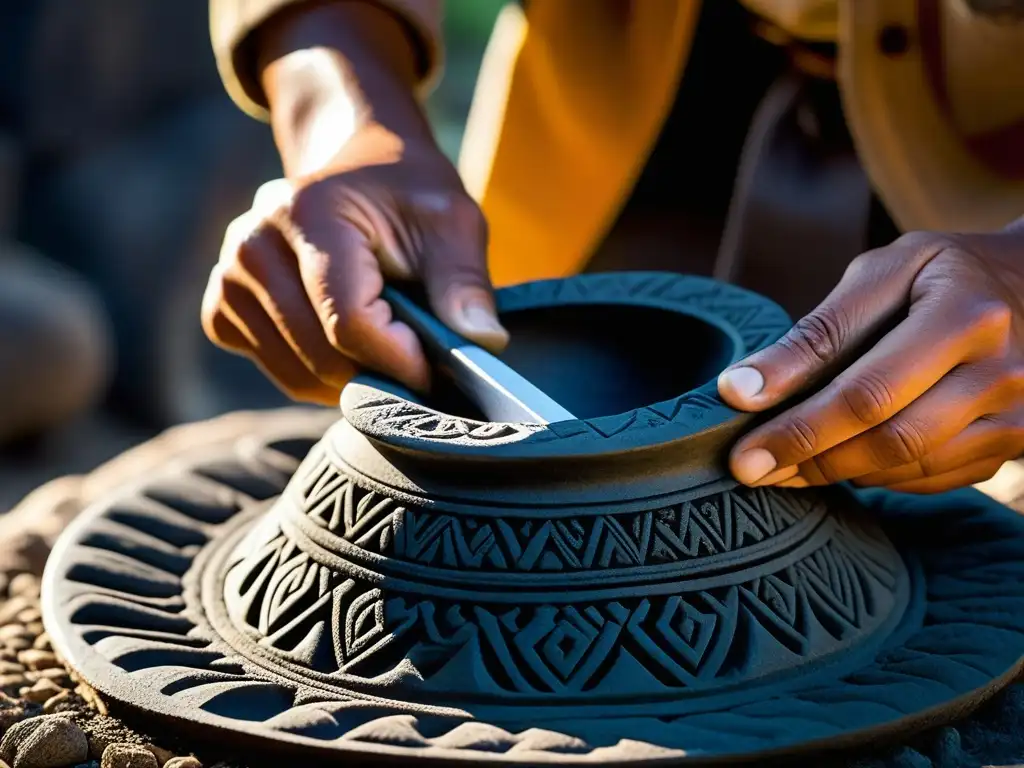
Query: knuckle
[
  {"x": 923, "y": 241},
  {"x": 898, "y": 442},
  {"x": 992, "y": 319},
  {"x": 818, "y": 336},
  {"x": 799, "y": 436},
  {"x": 1008, "y": 437},
  {"x": 1010, "y": 382},
  {"x": 868, "y": 398},
  {"x": 343, "y": 324}
]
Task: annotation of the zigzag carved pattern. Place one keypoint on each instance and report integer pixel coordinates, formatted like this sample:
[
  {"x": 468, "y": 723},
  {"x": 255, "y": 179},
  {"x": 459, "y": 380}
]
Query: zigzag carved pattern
[
  {"x": 723, "y": 522},
  {"x": 331, "y": 624}
]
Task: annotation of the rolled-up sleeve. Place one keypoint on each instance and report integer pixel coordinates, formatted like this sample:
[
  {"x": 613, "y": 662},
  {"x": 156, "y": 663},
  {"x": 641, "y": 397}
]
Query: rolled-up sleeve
[{"x": 232, "y": 23}]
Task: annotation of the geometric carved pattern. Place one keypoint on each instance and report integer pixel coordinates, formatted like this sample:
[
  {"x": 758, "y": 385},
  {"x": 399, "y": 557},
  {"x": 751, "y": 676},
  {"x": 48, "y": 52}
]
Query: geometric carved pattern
[
  {"x": 130, "y": 621},
  {"x": 723, "y": 522},
  {"x": 789, "y": 583}
]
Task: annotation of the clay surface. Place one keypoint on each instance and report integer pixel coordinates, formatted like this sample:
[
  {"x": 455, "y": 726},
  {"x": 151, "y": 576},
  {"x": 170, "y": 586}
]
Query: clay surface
[{"x": 421, "y": 584}]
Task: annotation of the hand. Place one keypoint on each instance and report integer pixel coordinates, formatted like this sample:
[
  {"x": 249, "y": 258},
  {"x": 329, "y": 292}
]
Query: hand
[
  {"x": 936, "y": 403},
  {"x": 369, "y": 196}
]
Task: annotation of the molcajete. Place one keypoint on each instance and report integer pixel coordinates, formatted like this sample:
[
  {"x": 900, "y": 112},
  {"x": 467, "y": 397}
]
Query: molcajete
[{"x": 427, "y": 585}]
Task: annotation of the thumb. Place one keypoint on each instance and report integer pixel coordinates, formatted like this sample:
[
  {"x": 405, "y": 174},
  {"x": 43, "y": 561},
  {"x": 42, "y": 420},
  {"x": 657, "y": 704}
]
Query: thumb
[
  {"x": 453, "y": 268},
  {"x": 873, "y": 291}
]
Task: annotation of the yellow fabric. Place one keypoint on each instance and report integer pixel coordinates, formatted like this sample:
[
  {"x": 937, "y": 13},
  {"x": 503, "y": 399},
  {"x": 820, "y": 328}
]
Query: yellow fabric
[
  {"x": 572, "y": 97},
  {"x": 578, "y": 125}
]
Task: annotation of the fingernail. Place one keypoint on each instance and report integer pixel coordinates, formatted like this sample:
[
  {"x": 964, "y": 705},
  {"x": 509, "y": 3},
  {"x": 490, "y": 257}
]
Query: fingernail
[
  {"x": 479, "y": 320},
  {"x": 750, "y": 466},
  {"x": 745, "y": 381}
]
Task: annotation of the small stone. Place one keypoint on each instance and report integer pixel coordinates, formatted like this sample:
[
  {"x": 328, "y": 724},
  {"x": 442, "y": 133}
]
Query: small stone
[
  {"x": 12, "y": 608},
  {"x": 42, "y": 642},
  {"x": 104, "y": 731},
  {"x": 12, "y": 631},
  {"x": 24, "y": 585},
  {"x": 11, "y": 681},
  {"x": 41, "y": 691},
  {"x": 47, "y": 741},
  {"x": 9, "y": 715},
  {"x": 161, "y": 755},
  {"x": 55, "y": 703},
  {"x": 59, "y": 675},
  {"x": 127, "y": 756},
  {"x": 37, "y": 660},
  {"x": 183, "y": 762},
  {"x": 29, "y": 615}
]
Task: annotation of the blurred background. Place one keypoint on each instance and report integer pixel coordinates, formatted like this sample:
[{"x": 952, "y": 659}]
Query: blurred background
[{"x": 121, "y": 162}]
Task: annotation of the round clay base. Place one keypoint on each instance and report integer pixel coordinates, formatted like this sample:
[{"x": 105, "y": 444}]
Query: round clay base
[{"x": 125, "y": 604}]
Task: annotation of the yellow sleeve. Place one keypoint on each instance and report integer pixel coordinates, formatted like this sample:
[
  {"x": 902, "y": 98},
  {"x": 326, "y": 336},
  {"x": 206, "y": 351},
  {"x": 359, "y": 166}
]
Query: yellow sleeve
[{"x": 232, "y": 23}]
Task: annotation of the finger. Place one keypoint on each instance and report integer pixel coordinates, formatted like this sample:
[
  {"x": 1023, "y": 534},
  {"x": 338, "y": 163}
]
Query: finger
[
  {"x": 266, "y": 266},
  {"x": 935, "y": 337},
  {"x": 985, "y": 439},
  {"x": 269, "y": 350},
  {"x": 343, "y": 281},
  {"x": 222, "y": 332},
  {"x": 940, "y": 414},
  {"x": 874, "y": 287},
  {"x": 452, "y": 234},
  {"x": 976, "y": 472}
]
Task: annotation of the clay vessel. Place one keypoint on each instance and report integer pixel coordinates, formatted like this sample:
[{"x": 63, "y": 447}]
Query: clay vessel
[
  {"x": 608, "y": 561},
  {"x": 427, "y": 584}
]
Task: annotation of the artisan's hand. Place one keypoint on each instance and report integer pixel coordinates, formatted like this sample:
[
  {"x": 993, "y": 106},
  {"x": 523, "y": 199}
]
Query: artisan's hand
[
  {"x": 917, "y": 357},
  {"x": 369, "y": 196}
]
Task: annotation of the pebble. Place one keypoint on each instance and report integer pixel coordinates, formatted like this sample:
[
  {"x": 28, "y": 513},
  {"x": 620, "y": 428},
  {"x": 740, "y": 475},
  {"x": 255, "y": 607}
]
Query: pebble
[
  {"x": 9, "y": 715},
  {"x": 54, "y": 702},
  {"x": 47, "y": 741},
  {"x": 42, "y": 642},
  {"x": 40, "y": 691},
  {"x": 59, "y": 675},
  {"x": 37, "y": 660},
  {"x": 183, "y": 762},
  {"x": 30, "y": 615},
  {"x": 127, "y": 756},
  {"x": 12, "y": 608},
  {"x": 24, "y": 585},
  {"x": 12, "y": 631},
  {"x": 161, "y": 755}
]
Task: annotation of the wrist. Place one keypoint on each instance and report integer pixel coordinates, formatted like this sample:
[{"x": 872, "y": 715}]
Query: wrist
[{"x": 334, "y": 72}]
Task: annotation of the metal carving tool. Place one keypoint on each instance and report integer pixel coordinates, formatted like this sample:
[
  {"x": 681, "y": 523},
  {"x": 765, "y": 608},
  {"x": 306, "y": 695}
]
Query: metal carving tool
[{"x": 501, "y": 393}]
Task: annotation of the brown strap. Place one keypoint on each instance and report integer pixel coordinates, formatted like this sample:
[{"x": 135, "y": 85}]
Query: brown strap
[{"x": 801, "y": 204}]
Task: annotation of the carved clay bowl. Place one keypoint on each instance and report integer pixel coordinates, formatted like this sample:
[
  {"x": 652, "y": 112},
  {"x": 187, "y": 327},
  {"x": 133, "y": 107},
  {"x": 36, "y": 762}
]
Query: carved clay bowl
[{"x": 427, "y": 585}]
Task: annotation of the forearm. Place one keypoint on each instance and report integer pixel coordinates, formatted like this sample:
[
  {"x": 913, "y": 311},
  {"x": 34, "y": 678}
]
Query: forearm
[{"x": 332, "y": 71}]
